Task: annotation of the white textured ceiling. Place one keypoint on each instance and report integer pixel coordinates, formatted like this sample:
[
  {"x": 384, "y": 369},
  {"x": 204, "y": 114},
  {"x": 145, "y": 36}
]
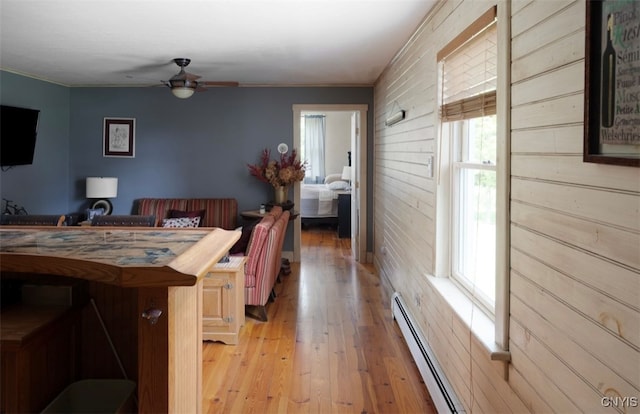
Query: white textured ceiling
[{"x": 254, "y": 42}]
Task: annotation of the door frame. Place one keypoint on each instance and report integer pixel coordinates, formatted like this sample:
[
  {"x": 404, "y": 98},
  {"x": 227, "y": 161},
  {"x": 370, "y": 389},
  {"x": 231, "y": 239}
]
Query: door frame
[{"x": 361, "y": 176}]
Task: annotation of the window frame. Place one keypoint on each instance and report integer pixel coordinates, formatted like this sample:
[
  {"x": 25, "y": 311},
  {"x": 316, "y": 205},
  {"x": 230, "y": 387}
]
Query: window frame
[
  {"x": 458, "y": 134},
  {"x": 442, "y": 253}
]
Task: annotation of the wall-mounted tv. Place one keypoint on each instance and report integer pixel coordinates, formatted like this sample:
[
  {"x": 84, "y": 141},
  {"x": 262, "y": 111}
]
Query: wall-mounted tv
[{"x": 18, "y": 131}]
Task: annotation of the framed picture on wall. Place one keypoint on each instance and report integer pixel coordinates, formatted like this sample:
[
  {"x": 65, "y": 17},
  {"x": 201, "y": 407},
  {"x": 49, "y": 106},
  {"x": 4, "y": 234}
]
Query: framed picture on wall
[
  {"x": 612, "y": 83},
  {"x": 119, "y": 137}
]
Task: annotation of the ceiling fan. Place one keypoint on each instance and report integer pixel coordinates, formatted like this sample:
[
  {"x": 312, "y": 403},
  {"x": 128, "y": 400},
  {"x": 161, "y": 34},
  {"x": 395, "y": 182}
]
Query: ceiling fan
[{"x": 184, "y": 84}]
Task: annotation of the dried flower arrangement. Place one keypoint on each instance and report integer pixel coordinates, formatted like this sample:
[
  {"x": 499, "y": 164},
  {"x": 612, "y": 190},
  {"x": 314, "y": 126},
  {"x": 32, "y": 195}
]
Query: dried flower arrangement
[{"x": 278, "y": 173}]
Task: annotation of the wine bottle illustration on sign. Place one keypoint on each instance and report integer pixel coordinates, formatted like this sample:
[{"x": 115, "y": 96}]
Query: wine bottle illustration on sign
[{"x": 608, "y": 86}]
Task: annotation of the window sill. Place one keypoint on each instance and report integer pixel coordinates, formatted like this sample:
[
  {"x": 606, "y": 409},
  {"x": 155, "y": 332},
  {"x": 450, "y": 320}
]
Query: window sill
[{"x": 480, "y": 325}]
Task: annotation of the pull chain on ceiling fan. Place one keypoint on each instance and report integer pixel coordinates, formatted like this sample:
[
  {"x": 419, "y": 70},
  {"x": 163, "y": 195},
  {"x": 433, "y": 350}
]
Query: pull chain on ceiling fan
[{"x": 184, "y": 84}]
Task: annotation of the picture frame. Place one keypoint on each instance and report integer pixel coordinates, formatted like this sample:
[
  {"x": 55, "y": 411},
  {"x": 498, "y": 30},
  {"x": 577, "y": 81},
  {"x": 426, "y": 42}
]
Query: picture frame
[
  {"x": 119, "y": 137},
  {"x": 92, "y": 212},
  {"x": 612, "y": 83}
]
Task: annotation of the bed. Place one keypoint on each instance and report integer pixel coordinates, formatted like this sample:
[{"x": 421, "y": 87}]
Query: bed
[{"x": 319, "y": 202}]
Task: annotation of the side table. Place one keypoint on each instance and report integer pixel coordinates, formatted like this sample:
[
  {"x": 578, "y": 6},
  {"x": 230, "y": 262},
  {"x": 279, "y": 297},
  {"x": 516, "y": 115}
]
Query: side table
[
  {"x": 223, "y": 301},
  {"x": 252, "y": 215}
]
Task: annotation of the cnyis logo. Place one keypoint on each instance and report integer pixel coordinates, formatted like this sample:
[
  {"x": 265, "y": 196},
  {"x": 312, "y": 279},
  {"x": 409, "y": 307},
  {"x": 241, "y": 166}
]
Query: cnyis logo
[{"x": 620, "y": 402}]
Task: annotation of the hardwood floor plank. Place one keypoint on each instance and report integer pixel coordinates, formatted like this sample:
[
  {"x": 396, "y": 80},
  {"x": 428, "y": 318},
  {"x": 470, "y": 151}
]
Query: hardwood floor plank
[
  {"x": 300, "y": 379},
  {"x": 219, "y": 359},
  {"x": 279, "y": 390},
  {"x": 341, "y": 394},
  {"x": 329, "y": 346},
  {"x": 243, "y": 384},
  {"x": 320, "y": 379}
]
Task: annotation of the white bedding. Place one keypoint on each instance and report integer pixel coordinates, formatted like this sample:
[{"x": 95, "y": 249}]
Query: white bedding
[{"x": 317, "y": 200}]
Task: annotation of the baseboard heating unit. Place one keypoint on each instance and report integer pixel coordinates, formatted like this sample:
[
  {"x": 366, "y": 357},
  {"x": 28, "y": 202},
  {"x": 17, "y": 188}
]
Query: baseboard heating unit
[{"x": 442, "y": 394}]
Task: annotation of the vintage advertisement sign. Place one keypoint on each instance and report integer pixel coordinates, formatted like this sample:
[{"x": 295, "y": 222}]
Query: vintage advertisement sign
[
  {"x": 612, "y": 82},
  {"x": 620, "y": 85}
]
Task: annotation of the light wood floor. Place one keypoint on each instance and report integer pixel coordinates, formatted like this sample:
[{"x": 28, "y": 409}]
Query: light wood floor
[{"x": 330, "y": 345}]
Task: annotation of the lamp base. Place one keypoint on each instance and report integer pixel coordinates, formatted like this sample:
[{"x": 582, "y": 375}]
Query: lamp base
[{"x": 103, "y": 204}]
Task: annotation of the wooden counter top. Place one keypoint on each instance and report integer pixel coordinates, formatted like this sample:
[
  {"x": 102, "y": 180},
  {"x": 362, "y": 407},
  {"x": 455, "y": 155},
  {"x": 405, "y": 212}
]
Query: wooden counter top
[{"x": 126, "y": 257}]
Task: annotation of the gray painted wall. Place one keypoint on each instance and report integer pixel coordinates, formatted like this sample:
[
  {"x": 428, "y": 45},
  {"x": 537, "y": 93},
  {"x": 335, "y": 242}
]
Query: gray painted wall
[
  {"x": 197, "y": 147},
  {"x": 42, "y": 187}
]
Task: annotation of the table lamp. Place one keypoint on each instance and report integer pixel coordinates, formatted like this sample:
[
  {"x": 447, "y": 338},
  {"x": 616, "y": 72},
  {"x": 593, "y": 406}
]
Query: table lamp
[
  {"x": 346, "y": 174},
  {"x": 101, "y": 189}
]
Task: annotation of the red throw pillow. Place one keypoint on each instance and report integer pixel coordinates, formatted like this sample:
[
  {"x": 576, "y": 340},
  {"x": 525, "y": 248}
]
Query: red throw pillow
[{"x": 189, "y": 214}]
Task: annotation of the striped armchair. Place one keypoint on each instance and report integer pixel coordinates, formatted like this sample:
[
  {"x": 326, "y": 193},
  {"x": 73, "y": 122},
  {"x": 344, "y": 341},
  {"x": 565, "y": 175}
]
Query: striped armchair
[{"x": 263, "y": 261}]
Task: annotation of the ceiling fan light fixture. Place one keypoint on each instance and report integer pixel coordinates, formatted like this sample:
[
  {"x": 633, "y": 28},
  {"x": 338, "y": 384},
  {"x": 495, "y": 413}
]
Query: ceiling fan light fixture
[
  {"x": 184, "y": 84},
  {"x": 182, "y": 92}
]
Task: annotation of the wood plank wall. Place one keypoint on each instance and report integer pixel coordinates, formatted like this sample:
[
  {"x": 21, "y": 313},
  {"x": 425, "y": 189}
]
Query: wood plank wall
[{"x": 575, "y": 227}]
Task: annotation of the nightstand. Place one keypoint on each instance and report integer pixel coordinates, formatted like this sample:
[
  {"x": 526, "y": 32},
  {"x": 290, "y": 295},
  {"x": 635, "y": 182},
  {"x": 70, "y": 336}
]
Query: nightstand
[{"x": 344, "y": 214}]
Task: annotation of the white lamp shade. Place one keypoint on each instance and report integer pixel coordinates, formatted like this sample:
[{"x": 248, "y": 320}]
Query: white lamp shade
[
  {"x": 102, "y": 187},
  {"x": 182, "y": 92},
  {"x": 346, "y": 173}
]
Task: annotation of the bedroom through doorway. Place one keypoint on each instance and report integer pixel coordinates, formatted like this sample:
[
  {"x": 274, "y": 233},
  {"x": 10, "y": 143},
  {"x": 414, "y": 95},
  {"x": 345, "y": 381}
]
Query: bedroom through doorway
[
  {"x": 325, "y": 145},
  {"x": 329, "y": 138}
]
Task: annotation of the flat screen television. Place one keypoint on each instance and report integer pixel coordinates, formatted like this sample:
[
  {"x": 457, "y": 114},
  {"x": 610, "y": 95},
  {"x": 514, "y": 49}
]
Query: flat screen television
[{"x": 18, "y": 131}]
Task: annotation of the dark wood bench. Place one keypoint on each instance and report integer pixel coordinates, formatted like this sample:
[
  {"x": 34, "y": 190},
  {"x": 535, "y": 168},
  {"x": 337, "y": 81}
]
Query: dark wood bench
[{"x": 32, "y": 220}]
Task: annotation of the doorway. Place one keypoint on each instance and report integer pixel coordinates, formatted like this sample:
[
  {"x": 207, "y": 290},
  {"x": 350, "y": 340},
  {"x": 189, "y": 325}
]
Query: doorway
[{"x": 359, "y": 174}]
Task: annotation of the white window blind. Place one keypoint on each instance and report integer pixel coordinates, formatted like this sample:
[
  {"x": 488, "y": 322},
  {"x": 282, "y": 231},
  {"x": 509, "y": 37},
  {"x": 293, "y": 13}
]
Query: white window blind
[{"x": 470, "y": 76}]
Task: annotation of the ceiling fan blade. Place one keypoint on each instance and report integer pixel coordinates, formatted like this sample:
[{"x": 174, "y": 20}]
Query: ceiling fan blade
[
  {"x": 218, "y": 83},
  {"x": 191, "y": 76},
  {"x": 185, "y": 76}
]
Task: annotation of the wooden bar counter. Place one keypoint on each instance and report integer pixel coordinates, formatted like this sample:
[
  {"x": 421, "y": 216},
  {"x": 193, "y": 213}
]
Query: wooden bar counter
[{"x": 165, "y": 266}]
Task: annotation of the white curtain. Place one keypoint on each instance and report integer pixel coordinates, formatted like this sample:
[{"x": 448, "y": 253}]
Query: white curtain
[{"x": 314, "y": 147}]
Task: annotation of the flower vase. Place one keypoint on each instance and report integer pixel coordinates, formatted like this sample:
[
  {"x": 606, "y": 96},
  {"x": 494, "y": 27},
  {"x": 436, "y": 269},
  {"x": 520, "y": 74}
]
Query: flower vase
[{"x": 281, "y": 193}]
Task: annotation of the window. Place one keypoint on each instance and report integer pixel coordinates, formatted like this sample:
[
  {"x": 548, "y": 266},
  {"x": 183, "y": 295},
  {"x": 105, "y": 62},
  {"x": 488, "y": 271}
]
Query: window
[
  {"x": 468, "y": 76},
  {"x": 312, "y": 146},
  {"x": 474, "y": 206}
]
